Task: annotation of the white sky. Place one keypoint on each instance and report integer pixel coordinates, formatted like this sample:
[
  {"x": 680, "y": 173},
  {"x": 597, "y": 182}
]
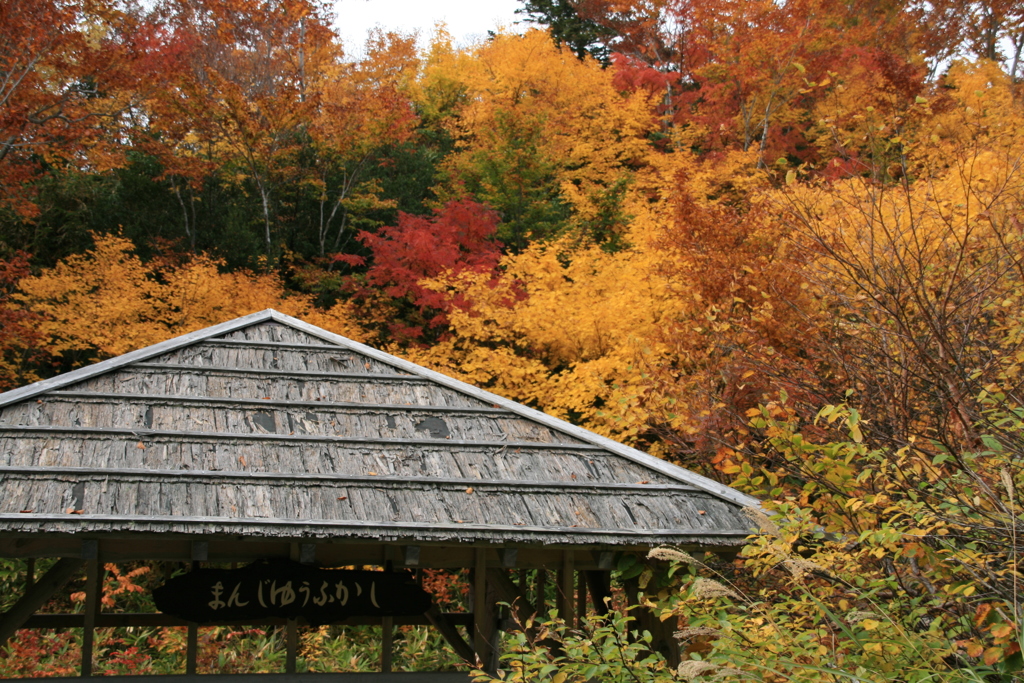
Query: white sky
[{"x": 468, "y": 20}]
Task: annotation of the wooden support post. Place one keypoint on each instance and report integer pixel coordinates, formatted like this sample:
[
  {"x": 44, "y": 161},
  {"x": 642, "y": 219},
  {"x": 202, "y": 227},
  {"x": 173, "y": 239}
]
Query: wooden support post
[
  {"x": 509, "y": 557},
  {"x": 567, "y": 584},
  {"x": 541, "y": 599},
  {"x": 291, "y": 646},
  {"x": 191, "y": 648},
  {"x": 600, "y": 585},
  {"x": 605, "y": 559},
  {"x": 483, "y": 625},
  {"x": 387, "y": 643},
  {"x": 200, "y": 551},
  {"x": 451, "y": 634},
  {"x": 37, "y": 595},
  {"x": 507, "y": 591},
  {"x": 292, "y": 628},
  {"x": 30, "y": 574},
  {"x": 411, "y": 556},
  {"x": 307, "y": 553},
  {"x": 92, "y": 606},
  {"x": 581, "y": 599}
]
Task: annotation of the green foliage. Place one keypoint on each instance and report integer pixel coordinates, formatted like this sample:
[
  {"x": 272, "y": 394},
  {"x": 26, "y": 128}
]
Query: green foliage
[{"x": 605, "y": 648}]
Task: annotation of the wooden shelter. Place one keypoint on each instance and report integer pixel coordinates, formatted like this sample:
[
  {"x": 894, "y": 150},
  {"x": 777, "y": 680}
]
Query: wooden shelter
[{"x": 266, "y": 437}]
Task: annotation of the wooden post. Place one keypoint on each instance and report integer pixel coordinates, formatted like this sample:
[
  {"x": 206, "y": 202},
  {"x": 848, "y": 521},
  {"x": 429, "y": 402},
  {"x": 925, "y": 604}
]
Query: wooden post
[
  {"x": 387, "y": 624},
  {"x": 30, "y": 574},
  {"x": 92, "y": 605},
  {"x": 387, "y": 643},
  {"x": 292, "y": 646},
  {"x": 191, "y": 648},
  {"x": 34, "y": 598},
  {"x": 566, "y": 588},
  {"x": 600, "y": 585},
  {"x": 581, "y": 599},
  {"x": 541, "y": 598},
  {"x": 292, "y": 629},
  {"x": 482, "y": 625}
]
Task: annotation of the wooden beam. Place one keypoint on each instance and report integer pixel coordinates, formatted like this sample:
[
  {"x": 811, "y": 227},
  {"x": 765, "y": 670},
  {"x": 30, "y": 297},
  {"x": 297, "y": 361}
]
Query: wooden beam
[
  {"x": 158, "y": 619},
  {"x": 92, "y": 608},
  {"x": 447, "y": 629},
  {"x": 509, "y": 592},
  {"x": 37, "y": 596}
]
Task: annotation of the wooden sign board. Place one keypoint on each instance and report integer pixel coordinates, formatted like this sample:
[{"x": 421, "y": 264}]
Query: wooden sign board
[{"x": 282, "y": 588}]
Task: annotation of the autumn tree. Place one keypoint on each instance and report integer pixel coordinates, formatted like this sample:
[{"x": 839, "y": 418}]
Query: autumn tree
[
  {"x": 458, "y": 239},
  {"x": 250, "y": 91},
  {"x": 69, "y": 74},
  {"x": 364, "y": 107},
  {"x": 542, "y": 137}
]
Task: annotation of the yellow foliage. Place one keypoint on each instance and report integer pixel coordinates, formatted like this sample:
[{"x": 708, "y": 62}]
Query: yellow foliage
[
  {"x": 591, "y": 133},
  {"x": 108, "y": 302}
]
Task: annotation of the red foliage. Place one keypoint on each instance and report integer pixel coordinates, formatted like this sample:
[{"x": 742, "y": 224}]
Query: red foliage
[{"x": 459, "y": 238}]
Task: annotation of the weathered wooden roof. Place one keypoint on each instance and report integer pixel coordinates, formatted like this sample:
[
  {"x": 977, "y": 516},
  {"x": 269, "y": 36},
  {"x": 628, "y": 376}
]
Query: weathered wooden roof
[{"x": 266, "y": 426}]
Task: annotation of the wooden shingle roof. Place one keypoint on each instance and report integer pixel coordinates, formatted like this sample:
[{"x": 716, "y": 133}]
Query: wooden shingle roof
[{"x": 266, "y": 426}]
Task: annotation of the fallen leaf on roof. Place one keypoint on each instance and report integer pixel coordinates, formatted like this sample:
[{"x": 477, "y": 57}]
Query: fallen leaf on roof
[
  {"x": 141, "y": 446},
  {"x": 372, "y": 474},
  {"x": 26, "y": 511},
  {"x": 469, "y": 490},
  {"x": 342, "y": 497}
]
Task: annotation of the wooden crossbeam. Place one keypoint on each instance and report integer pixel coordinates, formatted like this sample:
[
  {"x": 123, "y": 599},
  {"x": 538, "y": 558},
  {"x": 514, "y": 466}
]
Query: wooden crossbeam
[
  {"x": 445, "y": 626},
  {"x": 36, "y": 596},
  {"x": 509, "y": 592}
]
